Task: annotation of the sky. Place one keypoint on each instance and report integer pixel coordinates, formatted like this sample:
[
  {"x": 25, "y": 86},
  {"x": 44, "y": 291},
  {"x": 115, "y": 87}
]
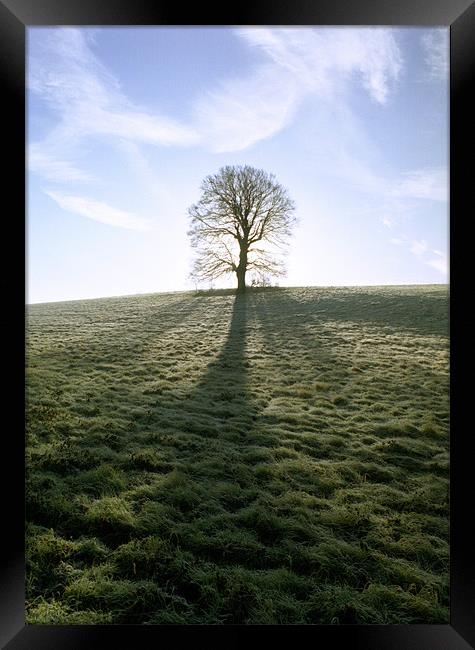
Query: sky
[{"x": 123, "y": 124}]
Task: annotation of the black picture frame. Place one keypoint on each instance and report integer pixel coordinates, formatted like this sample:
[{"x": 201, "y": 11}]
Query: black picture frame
[{"x": 15, "y": 17}]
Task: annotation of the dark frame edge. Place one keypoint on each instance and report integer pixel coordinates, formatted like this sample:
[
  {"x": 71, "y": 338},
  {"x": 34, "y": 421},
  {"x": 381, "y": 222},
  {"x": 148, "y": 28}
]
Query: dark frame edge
[
  {"x": 12, "y": 595},
  {"x": 361, "y": 637},
  {"x": 462, "y": 110},
  {"x": 460, "y": 633},
  {"x": 247, "y": 12}
]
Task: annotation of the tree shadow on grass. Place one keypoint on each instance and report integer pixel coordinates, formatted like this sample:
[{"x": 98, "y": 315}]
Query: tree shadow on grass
[
  {"x": 221, "y": 403},
  {"x": 213, "y": 478}
]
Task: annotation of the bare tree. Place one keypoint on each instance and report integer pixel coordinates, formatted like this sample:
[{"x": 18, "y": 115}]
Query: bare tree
[{"x": 242, "y": 221}]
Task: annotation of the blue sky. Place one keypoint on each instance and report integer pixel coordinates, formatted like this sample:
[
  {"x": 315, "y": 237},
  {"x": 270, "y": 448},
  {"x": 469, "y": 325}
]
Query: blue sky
[{"x": 124, "y": 123}]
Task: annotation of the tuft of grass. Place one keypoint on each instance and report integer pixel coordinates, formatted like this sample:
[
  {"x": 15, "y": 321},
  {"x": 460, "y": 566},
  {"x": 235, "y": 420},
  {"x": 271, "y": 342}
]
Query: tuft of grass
[
  {"x": 109, "y": 517},
  {"x": 54, "y": 612}
]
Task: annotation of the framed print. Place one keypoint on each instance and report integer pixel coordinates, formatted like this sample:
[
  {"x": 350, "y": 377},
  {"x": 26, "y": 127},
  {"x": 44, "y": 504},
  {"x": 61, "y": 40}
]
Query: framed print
[{"x": 245, "y": 407}]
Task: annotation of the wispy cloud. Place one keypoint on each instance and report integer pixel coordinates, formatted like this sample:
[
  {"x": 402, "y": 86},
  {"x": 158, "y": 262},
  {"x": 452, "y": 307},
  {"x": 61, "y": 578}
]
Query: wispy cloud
[
  {"x": 297, "y": 63},
  {"x": 346, "y": 151},
  {"x": 148, "y": 177},
  {"x": 88, "y": 101},
  {"x": 239, "y": 112},
  {"x": 418, "y": 247},
  {"x": 423, "y": 184},
  {"x": 99, "y": 211},
  {"x": 386, "y": 221},
  {"x": 54, "y": 169},
  {"x": 435, "y": 45},
  {"x": 418, "y": 184},
  {"x": 317, "y": 56},
  {"x": 440, "y": 264}
]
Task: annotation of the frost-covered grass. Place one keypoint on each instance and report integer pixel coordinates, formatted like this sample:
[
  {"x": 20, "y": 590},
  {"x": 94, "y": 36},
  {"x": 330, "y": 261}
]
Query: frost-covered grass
[{"x": 280, "y": 457}]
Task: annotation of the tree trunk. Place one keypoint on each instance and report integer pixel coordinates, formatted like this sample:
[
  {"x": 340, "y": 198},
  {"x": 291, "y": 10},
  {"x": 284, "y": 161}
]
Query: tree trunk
[
  {"x": 241, "y": 270},
  {"x": 241, "y": 278}
]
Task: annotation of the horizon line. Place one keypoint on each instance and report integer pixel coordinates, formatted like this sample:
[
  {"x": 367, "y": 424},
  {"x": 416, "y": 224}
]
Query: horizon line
[{"x": 220, "y": 289}]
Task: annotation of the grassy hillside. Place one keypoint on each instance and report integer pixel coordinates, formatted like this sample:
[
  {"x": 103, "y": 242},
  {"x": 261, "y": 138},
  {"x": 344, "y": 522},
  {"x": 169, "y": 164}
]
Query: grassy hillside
[{"x": 275, "y": 458}]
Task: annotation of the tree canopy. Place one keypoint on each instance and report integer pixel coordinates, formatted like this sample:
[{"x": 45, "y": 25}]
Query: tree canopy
[{"x": 242, "y": 222}]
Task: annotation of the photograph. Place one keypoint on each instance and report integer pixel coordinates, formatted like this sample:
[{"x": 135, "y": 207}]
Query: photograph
[{"x": 237, "y": 325}]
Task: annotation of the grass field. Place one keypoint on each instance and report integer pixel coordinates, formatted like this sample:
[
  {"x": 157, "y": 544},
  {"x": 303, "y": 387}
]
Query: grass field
[{"x": 280, "y": 457}]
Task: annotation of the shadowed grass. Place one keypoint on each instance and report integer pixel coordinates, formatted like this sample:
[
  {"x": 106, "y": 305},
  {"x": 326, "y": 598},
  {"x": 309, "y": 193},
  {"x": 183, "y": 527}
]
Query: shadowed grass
[{"x": 279, "y": 457}]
